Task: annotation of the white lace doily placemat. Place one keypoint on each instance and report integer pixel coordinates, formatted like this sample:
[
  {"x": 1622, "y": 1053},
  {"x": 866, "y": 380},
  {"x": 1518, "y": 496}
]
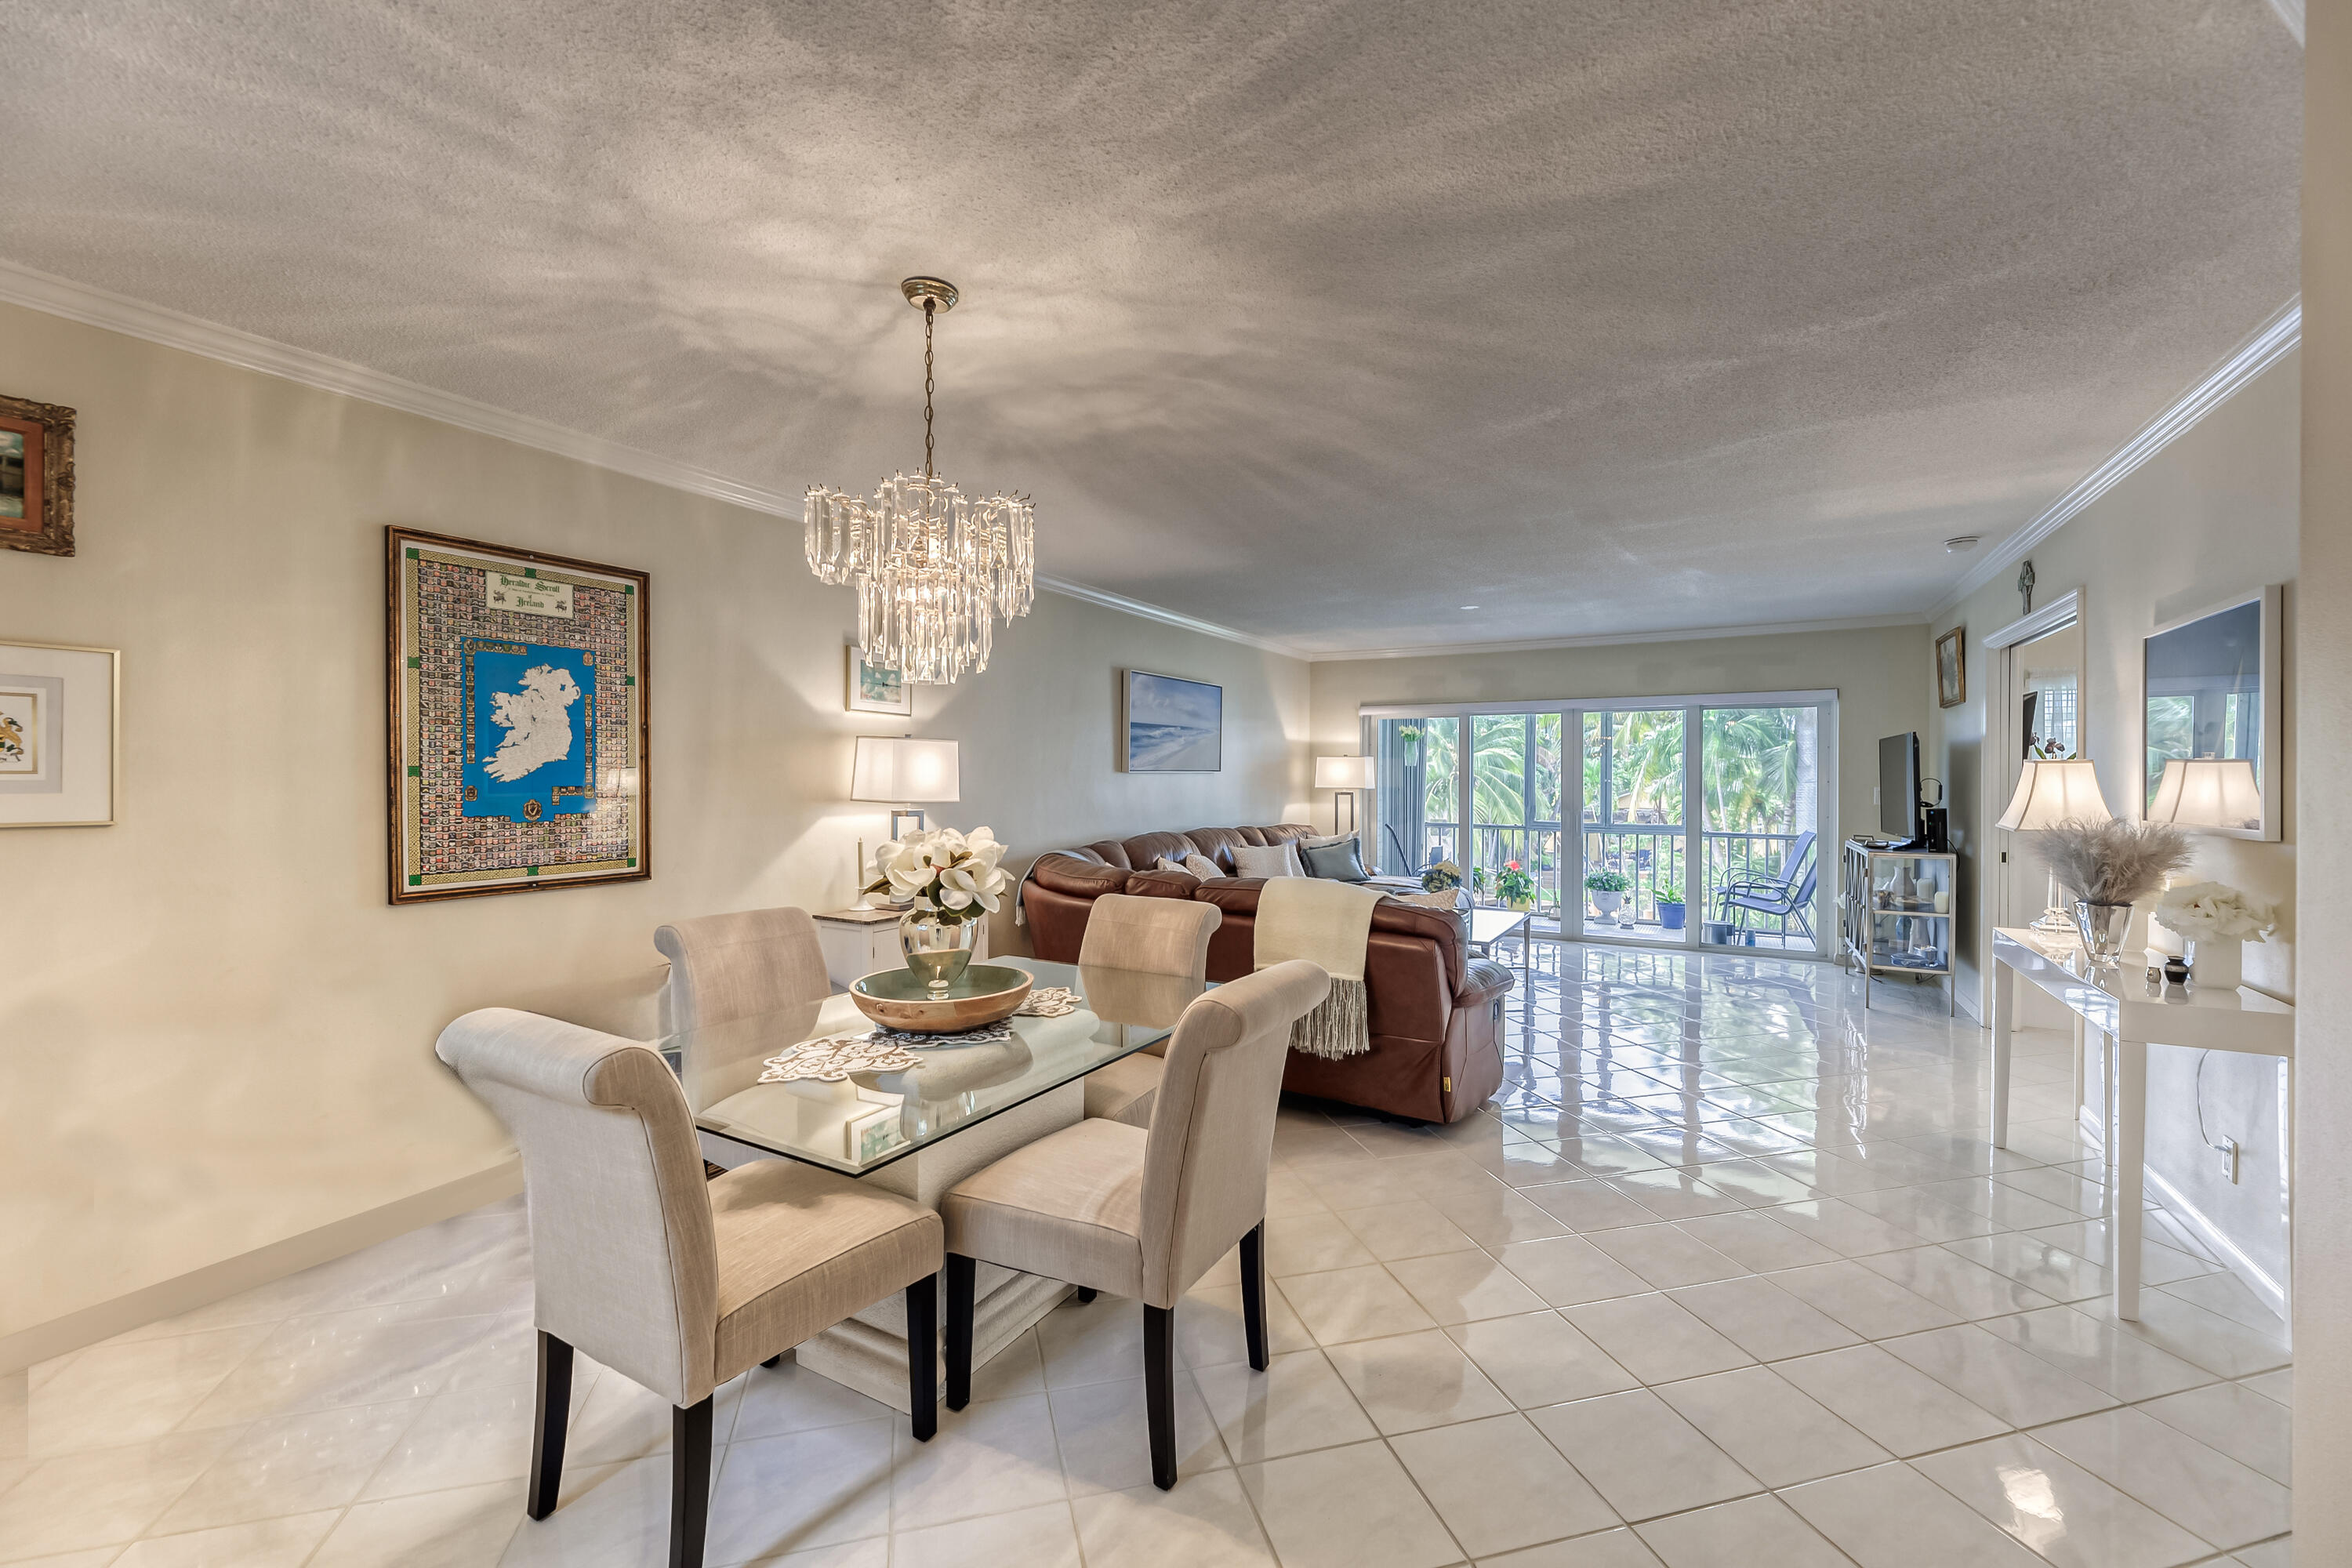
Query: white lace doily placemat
[
  {"x": 1050, "y": 1002},
  {"x": 834, "y": 1056}
]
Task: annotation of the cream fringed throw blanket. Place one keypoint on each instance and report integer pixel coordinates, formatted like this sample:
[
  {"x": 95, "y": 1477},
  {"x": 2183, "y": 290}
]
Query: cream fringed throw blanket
[{"x": 1328, "y": 924}]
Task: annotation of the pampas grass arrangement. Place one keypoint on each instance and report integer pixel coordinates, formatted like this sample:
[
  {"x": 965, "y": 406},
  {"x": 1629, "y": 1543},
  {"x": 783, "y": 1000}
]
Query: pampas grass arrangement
[{"x": 2114, "y": 862}]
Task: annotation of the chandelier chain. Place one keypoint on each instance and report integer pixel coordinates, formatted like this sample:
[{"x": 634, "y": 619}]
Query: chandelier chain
[{"x": 929, "y": 308}]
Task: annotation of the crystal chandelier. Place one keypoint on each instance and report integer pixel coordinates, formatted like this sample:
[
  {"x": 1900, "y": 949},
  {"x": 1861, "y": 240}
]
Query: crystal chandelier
[{"x": 931, "y": 569}]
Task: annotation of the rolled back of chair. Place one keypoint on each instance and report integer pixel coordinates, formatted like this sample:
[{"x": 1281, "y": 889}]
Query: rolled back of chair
[
  {"x": 1213, "y": 1124},
  {"x": 623, "y": 1253},
  {"x": 1154, "y": 936},
  {"x": 725, "y": 967}
]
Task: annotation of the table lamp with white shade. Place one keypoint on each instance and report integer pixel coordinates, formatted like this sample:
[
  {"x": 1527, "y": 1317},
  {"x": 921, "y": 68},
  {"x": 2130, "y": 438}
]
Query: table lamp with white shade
[
  {"x": 2050, "y": 793},
  {"x": 906, "y": 772},
  {"x": 1346, "y": 775},
  {"x": 2207, "y": 792}
]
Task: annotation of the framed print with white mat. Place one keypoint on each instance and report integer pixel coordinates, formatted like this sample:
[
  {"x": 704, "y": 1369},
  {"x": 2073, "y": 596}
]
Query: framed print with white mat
[
  {"x": 60, "y": 722},
  {"x": 518, "y": 719}
]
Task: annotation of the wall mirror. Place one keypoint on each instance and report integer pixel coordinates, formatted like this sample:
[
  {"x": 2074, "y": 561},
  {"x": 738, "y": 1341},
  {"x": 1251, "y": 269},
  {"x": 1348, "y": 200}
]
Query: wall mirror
[{"x": 2211, "y": 711}]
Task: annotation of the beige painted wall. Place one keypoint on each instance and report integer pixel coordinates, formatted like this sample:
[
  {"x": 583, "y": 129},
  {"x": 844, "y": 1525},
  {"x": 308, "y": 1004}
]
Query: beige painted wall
[
  {"x": 2214, "y": 514},
  {"x": 2323, "y": 1237},
  {"x": 1877, "y": 674},
  {"x": 216, "y": 1034}
]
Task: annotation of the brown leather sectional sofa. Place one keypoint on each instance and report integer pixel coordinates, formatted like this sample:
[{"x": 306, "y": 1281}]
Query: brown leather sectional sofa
[{"x": 1435, "y": 1009}]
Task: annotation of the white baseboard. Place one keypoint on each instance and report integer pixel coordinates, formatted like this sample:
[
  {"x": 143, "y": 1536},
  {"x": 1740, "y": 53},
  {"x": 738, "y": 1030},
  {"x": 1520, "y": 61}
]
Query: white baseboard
[
  {"x": 2232, "y": 1257},
  {"x": 218, "y": 1281}
]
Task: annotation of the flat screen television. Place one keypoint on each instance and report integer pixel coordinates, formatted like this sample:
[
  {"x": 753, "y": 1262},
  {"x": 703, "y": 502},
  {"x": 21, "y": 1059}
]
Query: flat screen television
[{"x": 1898, "y": 787}]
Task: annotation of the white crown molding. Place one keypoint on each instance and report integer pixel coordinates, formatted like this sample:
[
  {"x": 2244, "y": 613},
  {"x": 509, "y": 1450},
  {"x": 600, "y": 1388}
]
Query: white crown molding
[
  {"x": 193, "y": 334},
  {"x": 172, "y": 329},
  {"x": 2276, "y": 338},
  {"x": 1125, "y": 605},
  {"x": 1613, "y": 639}
]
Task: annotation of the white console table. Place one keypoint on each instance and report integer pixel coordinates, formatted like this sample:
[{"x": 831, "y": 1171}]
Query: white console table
[{"x": 2120, "y": 1004}]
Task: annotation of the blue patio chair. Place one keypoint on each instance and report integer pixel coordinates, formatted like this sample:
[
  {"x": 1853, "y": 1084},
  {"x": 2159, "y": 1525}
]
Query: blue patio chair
[{"x": 1788, "y": 895}]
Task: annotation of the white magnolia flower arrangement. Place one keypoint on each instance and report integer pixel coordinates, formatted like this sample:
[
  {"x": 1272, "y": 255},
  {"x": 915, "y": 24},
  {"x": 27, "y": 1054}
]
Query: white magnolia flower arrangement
[
  {"x": 943, "y": 872},
  {"x": 2216, "y": 912}
]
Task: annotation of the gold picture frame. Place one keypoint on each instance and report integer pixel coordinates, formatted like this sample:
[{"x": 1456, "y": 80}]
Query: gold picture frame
[
  {"x": 518, "y": 717},
  {"x": 36, "y": 477},
  {"x": 1952, "y": 668}
]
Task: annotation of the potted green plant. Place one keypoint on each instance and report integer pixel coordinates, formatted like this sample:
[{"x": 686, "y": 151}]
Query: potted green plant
[
  {"x": 1440, "y": 877},
  {"x": 1608, "y": 889},
  {"x": 1514, "y": 887},
  {"x": 1671, "y": 913}
]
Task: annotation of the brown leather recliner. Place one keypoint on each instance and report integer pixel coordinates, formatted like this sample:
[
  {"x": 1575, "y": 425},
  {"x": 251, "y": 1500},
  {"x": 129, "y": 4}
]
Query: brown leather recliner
[{"x": 1434, "y": 1010}]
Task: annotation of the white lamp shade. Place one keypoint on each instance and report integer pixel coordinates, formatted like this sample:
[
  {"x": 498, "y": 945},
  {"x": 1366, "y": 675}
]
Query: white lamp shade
[
  {"x": 908, "y": 770},
  {"x": 1343, "y": 772},
  {"x": 2050, "y": 793},
  {"x": 2207, "y": 792}
]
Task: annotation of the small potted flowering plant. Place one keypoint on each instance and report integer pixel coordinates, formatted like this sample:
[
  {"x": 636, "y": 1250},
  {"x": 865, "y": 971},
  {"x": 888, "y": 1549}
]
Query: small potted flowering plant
[
  {"x": 948, "y": 881},
  {"x": 1608, "y": 889},
  {"x": 2218, "y": 921},
  {"x": 1514, "y": 887},
  {"x": 1443, "y": 876}
]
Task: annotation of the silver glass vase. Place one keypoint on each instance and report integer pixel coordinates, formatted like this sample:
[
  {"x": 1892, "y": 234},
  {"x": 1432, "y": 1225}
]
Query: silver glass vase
[
  {"x": 936, "y": 948},
  {"x": 2102, "y": 927}
]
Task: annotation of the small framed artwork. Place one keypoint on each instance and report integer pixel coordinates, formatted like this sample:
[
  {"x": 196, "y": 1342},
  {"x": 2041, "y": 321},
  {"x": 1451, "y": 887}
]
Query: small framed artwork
[
  {"x": 1171, "y": 725},
  {"x": 518, "y": 719},
  {"x": 1951, "y": 667},
  {"x": 36, "y": 456},
  {"x": 877, "y": 688},
  {"x": 59, "y": 725}
]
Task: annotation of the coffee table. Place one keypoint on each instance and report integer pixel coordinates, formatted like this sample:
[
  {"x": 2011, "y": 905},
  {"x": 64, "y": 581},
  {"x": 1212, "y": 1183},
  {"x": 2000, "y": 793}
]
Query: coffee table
[{"x": 1488, "y": 926}]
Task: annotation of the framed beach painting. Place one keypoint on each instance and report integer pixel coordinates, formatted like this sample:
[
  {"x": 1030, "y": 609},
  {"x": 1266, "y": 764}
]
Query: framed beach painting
[
  {"x": 517, "y": 709},
  {"x": 877, "y": 688},
  {"x": 1171, "y": 725}
]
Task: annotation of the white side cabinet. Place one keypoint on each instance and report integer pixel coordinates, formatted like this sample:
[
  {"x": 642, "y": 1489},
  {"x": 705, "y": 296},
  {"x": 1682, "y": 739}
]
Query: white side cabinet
[{"x": 859, "y": 941}]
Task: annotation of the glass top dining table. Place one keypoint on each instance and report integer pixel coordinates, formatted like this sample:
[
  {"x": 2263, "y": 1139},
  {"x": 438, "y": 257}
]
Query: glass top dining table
[{"x": 870, "y": 1119}]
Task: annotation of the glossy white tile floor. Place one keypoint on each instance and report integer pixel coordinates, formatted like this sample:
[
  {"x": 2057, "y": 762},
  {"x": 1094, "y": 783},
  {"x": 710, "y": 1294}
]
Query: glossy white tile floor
[{"x": 1729, "y": 1277}]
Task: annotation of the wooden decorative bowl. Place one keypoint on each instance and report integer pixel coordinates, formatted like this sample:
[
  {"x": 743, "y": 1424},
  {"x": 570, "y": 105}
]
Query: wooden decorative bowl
[{"x": 983, "y": 993}]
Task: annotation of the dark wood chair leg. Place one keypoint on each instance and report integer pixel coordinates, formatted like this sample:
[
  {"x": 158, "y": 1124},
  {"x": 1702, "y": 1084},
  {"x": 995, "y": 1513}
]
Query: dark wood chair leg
[
  {"x": 960, "y": 1270},
  {"x": 547, "y": 1427},
  {"x": 923, "y": 1354},
  {"x": 689, "y": 1482},
  {"x": 1159, "y": 1391},
  {"x": 1085, "y": 1294},
  {"x": 1254, "y": 1295}
]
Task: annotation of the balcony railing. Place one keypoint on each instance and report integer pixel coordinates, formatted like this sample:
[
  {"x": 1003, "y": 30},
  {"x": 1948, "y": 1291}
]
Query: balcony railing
[{"x": 1650, "y": 854}]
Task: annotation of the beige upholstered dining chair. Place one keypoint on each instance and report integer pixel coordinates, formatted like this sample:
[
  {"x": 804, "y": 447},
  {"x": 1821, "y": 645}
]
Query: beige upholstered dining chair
[
  {"x": 677, "y": 1283},
  {"x": 1150, "y": 936},
  {"x": 725, "y": 967},
  {"x": 1108, "y": 1206}
]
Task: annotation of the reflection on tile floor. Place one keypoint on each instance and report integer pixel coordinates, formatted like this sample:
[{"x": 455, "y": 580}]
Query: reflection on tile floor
[{"x": 1726, "y": 1276}]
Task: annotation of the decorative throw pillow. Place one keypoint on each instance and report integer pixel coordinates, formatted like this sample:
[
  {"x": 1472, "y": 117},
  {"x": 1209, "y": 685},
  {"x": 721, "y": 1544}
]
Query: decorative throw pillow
[
  {"x": 1268, "y": 861},
  {"x": 1169, "y": 863},
  {"x": 1201, "y": 866},
  {"x": 1336, "y": 862},
  {"x": 1328, "y": 838}
]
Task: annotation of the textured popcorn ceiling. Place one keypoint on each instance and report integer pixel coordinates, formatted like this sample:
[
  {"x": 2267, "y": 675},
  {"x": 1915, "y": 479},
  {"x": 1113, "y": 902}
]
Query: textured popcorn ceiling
[{"x": 1316, "y": 320}]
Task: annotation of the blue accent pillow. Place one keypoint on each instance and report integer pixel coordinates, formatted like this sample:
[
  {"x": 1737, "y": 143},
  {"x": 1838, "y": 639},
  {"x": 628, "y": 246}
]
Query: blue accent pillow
[{"x": 1335, "y": 862}]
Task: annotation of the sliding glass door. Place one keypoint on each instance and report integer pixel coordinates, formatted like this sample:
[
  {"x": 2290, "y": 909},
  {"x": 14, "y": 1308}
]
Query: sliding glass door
[
  {"x": 1699, "y": 821},
  {"x": 1634, "y": 878}
]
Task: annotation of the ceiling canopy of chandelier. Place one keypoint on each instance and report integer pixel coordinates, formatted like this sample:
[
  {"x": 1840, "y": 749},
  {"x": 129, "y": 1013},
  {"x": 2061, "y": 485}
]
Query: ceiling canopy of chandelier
[{"x": 931, "y": 568}]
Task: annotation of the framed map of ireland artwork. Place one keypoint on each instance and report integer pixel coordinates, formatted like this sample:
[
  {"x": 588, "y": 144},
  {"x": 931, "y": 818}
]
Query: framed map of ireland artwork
[{"x": 517, "y": 712}]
